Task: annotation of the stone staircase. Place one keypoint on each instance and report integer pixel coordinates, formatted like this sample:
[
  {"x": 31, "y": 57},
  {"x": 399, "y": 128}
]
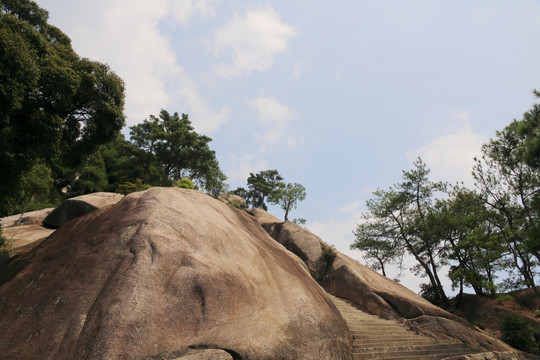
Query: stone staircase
[{"x": 376, "y": 338}]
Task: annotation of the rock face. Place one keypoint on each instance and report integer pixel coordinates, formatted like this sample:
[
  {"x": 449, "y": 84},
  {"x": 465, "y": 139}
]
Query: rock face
[
  {"x": 376, "y": 294},
  {"x": 233, "y": 200},
  {"x": 29, "y": 218},
  {"x": 166, "y": 273},
  {"x": 78, "y": 206}
]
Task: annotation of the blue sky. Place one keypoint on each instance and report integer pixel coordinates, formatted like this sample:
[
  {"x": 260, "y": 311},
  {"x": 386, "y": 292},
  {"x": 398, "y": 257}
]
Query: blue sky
[{"x": 339, "y": 96}]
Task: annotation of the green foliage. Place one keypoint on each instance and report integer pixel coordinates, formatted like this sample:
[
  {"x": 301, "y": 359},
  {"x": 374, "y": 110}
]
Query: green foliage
[
  {"x": 170, "y": 143},
  {"x": 503, "y": 297},
  {"x": 129, "y": 187},
  {"x": 373, "y": 240},
  {"x": 518, "y": 333},
  {"x": 92, "y": 177},
  {"x": 4, "y": 242},
  {"x": 287, "y": 196},
  {"x": 185, "y": 183},
  {"x": 54, "y": 105},
  {"x": 299, "y": 221},
  {"x": 398, "y": 220},
  {"x": 431, "y": 293},
  {"x": 260, "y": 186},
  {"x": 328, "y": 254},
  {"x": 472, "y": 242},
  {"x": 509, "y": 177}
]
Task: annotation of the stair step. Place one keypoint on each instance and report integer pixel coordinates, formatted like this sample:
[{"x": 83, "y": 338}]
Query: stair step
[{"x": 382, "y": 339}]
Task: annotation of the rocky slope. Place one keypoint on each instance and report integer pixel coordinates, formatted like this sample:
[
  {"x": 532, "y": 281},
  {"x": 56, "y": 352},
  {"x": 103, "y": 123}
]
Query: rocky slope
[
  {"x": 175, "y": 274},
  {"x": 165, "y": 273},
  {"x": 372, "y": 292}
]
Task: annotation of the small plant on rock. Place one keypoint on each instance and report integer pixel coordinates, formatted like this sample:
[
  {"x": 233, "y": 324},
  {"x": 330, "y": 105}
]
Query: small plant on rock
[{"x": 328, "y": 254}]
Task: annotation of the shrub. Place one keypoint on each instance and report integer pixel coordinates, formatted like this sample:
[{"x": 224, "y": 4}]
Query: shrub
[
  {"x": 328, "y": 254},
  {"x": 518, "y": 333},
  {"x": 431, "y": 294},
  {"x": 185, "y": 183},
  {"x": 3, "y": 242},
  {"x": 503, "y": 297},
  {"x": 129, "y": 187}
]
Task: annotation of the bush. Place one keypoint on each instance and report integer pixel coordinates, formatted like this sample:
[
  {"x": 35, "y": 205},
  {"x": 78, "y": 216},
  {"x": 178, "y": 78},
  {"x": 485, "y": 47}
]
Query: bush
[
  {"x": 518, "y": 333},
  {"x": 503, "y": 297},
  {"x": 328, "y": 254},
  {"x": 185, "y": 183},
  {"x": 431, "y": 294},
  {"x": 129, "y": 187},
  {"x": 4, "y": 243}
]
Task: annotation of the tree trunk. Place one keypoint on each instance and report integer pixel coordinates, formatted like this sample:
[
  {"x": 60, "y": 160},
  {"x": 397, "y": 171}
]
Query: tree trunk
[{"x": 24, "y": 210}]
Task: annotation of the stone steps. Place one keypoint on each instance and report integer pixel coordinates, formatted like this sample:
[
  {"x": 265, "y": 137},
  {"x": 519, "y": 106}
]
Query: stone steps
[{"x": 376, "y": 338}]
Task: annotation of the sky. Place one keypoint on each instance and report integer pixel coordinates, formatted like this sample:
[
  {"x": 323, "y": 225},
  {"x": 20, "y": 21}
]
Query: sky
[{"x": 339, "y": 96}]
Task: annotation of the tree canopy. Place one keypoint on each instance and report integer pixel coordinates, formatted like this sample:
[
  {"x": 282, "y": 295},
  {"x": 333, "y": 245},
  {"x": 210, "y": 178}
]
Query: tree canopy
[
  {"x": 171, "y": 144},
  {"x": 269, "y": 185},
  {"x": 478, "y": 233},
  {"x": 54, "y": 105}
]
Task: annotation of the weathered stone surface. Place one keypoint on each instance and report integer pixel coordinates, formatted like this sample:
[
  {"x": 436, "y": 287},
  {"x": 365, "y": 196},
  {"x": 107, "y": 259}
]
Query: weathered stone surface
[
  {"x": 29, "y": 218},
  {"x": 445, "y": 329},
  {"x": 376, "y": 294},
  {"x": 208, "y": 354},
  {"x": 302, "y": 243},
  {"x": 24, "y": 235},
  {"x": 233, "y": 200},
  {"x": 507, "y": 355},
  {"x": 262, "y": 216},
  {"x": 159, "y": 273},
  {"x": 78, "y": 206}
]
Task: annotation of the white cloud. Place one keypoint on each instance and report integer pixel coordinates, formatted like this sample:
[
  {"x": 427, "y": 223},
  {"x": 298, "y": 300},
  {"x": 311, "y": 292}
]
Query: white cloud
[
  {"x": 254, "y": 39},
  {"x": 125, "y": 34},
  {"x": 184, "y": 10},
  {"x": 451, "y": 157},
  {"x": 243, "y": 165},
  {"x": 274, "y": 118},
  {"x": 349, "y": 208}
]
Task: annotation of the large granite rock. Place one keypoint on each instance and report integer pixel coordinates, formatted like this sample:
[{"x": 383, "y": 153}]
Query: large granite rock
[
  {"x": 376, "y": 294},
  {"x": 29, "y": 218},
  {"x": 233, "y": 200},
  {"x": 78, "y": 206},
  {"x": 158, "y": 275},
  {"x": 302, "y": 243}
]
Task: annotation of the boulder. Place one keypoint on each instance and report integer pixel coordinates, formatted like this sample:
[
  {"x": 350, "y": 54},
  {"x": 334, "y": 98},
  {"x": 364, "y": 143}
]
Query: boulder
[
  {"x": 24, "y": 235},
  {"x": 207, "y": 354},
  {"x": 29, "y": 218},
  {"x": 376, "y": 294},
  {"x": 161, "y": 273},
  {"x": 302, "y": 243},
  {"x": 262, "y": 216},
  {"x": 78, "y": 206},
  {"x": 233, "y": 200}
]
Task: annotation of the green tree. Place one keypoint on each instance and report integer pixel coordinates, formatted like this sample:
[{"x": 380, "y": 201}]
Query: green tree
[
  {"x": 472, "y": 243},
  {"x": 512, "y": 190},
  {"x": 92, "y": 177},
  {"x": 125, "y": 163},
  {"x": 37, "y": 182},
  {"x": 54, "y": 105},
  {"x": 377, "y": 243},
  {"x": 170, "y": 142},
  {"x": 399, "y": 218},
  {"x": 287, "y": 196},
  {"x": 260, "y": 186}
]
